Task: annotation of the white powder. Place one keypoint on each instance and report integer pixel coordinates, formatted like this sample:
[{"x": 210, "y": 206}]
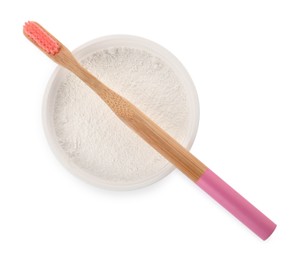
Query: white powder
[{"x": 95, "y": 140}]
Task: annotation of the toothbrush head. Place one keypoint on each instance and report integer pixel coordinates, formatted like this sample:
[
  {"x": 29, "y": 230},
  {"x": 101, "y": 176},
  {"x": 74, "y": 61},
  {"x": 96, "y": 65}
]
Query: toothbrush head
[{"x": 41, "y": 38}]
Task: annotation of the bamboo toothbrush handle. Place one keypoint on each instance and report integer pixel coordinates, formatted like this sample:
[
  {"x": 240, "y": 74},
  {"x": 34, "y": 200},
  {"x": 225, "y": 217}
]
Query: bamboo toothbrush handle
[
  {"x": 180, "y": 157},
  {"x": 135, "y": 119}
]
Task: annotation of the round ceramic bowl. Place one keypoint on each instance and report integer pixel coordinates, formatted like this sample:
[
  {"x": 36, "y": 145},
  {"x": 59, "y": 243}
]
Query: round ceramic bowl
[{"x": 119, "y": 41}]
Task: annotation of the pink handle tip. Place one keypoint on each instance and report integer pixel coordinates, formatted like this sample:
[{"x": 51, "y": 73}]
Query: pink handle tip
[{"x": 236, "y": 204}]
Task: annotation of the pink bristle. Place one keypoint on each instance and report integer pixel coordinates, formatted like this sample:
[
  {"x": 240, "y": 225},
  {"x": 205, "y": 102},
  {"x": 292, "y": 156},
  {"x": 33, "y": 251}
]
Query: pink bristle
[{"x": 41, "y": 38}]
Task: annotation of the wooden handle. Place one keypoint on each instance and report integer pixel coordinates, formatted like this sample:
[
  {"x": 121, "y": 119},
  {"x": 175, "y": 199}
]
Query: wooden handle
[
  {"x": 136, "y": 120},
  {"x": 128, "y": 113}
]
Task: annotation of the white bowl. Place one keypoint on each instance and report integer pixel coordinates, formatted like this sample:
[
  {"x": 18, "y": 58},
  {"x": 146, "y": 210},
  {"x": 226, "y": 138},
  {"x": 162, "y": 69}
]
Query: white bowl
[{"x": 103, "y": 43}]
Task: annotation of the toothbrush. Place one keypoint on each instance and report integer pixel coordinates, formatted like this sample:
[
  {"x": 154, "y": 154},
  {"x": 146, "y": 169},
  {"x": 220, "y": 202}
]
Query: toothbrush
[{"x": 155, "y": 136}]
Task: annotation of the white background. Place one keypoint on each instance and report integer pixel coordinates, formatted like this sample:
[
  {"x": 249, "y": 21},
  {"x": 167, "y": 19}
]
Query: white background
[{"x": 242, "y": 58}]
